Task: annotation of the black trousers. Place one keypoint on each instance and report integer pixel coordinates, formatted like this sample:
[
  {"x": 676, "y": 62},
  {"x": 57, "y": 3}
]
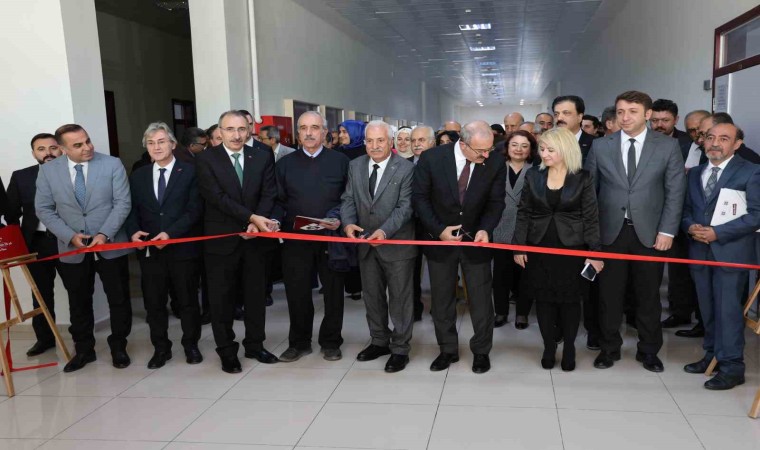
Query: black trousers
[
  {"x": 563, "y": 316},
  {"x": 591, "y": 310},
  {"x": 299, "y": 260},
  {"x": 158, "y": 273},
  {"x": 353, "y": 281},
  {"x": 79, "y": 280},
  {"x": 682, "y": 293},
  {"x": 417, "y": 286},
  {"x": 274, "y": 267},
  {"x": 507, "y": 277},
  {"x": 646, "y": 278},
  {"x": 43, "y": 273},
  {"x": 229, "y": 276}
]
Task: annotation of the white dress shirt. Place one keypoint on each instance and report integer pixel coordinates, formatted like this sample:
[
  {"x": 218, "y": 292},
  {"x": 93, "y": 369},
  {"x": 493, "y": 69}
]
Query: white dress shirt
[
  {"x": 315, "y": 153},
  {"x": 578, "y": 135},
  {"x": 625, "y": 145},
  {"x": 157, "y": 174},
  {"x": 693, "y": 157},
  {"x": 73, "y": 171},
  {"x": 232, "y": 160},
  {"x": 276, "y": 150},
  {"x": 461, "y": 160},
  {"x": 708, "y": 171},
  {"x": 383, "y": 164}
]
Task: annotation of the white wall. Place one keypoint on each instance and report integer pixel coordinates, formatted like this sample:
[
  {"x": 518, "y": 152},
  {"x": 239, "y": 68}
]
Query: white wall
[
  {"x": 146, "y": 69},
  {"x": 663, "y": 48},
  {"x": 495, "y": 114}
]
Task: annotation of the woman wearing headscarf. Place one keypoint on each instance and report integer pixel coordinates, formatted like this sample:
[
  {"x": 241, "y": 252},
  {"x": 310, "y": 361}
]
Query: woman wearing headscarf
[
  {"x": 403, "y": 142},
  {"x": 351, "y": 135}
]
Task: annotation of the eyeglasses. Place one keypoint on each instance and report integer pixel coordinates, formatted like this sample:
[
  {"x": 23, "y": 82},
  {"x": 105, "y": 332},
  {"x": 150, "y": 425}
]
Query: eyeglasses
[
  {"x": 240, "y": 130},
  {"x": 480, "y": 151},
  {"x": 202, "y": 144}
]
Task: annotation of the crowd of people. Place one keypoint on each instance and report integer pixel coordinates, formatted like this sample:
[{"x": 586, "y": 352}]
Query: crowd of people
[{"x": 628, "y": 182}]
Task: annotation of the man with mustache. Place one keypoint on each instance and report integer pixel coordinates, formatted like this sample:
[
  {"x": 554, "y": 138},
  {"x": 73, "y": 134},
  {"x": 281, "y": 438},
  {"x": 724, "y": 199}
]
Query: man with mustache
[
  {"x": 21, "y": 191},
  {"x": 568, "y": 113}
]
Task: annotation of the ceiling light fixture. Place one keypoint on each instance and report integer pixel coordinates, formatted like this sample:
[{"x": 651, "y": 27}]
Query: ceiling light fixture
[
  {"x": 487, "y": 63},
  {"x": 491, "y": 74},
  {"x": 483, "y": 48},
  {"x": 475, "y": 26}
]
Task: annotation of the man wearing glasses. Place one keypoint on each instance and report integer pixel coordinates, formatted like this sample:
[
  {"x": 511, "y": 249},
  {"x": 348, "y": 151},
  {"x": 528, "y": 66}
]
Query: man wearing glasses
[
  {"x": 458, "y": 195},
  {"x": 192, "y": 142}
]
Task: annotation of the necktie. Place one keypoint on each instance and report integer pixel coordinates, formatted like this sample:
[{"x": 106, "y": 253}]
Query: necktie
[
  {"x": 464, "y": 177},
  {"x": 161, "y": 185},
  {"x": 711, "y": 182},
  {"x": 238, "y": 167},
  {"x": 373, "y": 181},
  {"x": 631, "y": 160},
  {"x": 79, "y": 188}
]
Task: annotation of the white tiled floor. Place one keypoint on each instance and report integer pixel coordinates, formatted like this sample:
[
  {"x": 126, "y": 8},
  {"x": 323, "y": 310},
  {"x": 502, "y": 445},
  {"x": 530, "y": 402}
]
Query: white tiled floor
[{"x": 319, "y": 405}]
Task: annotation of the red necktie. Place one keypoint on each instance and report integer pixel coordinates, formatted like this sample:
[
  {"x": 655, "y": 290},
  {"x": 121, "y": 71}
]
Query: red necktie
[{"x": 464, "y": 177}]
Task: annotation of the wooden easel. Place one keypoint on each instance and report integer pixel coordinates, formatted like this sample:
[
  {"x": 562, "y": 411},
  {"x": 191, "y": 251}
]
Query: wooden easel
[
  {"x": 754, "y": 325},
  {"x": 21, "y": 316}
]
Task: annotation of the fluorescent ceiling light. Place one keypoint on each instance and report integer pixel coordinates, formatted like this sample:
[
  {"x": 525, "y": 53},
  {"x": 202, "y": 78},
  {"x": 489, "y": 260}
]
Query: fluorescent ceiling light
[
  {"x": 451, "y": 34},
  {"x": 491, "y": 74},
  {"x": 483, "y": 48},
  {"x": 487, "y": 63},
  {"x": 475, "y": 26}
]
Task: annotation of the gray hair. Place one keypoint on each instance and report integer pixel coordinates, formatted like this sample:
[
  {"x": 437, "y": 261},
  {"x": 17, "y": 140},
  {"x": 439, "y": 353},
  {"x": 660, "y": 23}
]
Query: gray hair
[
  {"x": 477, "y": 128},
  {"x": 272, "y": 132},
  {"x": 153, "y": 128},
  {"x": 380, "y": 124},
  {"x": 430, "y": 132},
  {"x": 233, "y": 113},
  {"x": 313, "y": 113}
]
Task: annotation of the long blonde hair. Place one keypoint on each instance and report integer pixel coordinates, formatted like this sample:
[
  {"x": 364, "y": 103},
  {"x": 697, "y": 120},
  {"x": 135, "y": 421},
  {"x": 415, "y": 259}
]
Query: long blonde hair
[{"x": 563, "y": 141}]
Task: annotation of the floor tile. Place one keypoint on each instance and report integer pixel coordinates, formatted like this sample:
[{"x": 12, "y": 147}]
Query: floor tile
[
  {"x": 600, "y": 391},
  {"x": 718, "y": 433},
  {"x": 363, "y": 425},
  {"x": 43, "y": 417},
  {"x": 252, "y": 422},
  {"x": 590, "y": 430},
  {"x": 691, "y": 396},
  {"x": 202, "y": 446},
  {"x": 414, "y": 388},
  {"x": 420, "y": 358},
  {"x": 499, "y": 389},
  {"x": 495, "y": 428},
  {"x": 21, "y": 444},
  {"x": 295, "y": 384},
  {"x": 124, "y": 419},
  {"x": 316, "y": 359},
  {"x": 204, "y": 380},
  {"x": 95, "y": 380},
  {"x": 100, "y": 445}
]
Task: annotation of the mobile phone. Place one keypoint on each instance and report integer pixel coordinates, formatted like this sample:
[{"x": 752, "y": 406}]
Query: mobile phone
[{"x": 588, "y": 272}]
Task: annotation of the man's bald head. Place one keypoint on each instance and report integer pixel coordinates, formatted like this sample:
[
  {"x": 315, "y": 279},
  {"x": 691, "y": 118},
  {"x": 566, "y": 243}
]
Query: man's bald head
[
  {"x": 512, "y": 122},
  {"x": 452, "y": 125}
]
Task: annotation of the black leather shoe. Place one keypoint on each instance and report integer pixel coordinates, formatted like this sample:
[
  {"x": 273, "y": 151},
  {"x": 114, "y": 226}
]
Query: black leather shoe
[
  {"x": 396, "y": 363},
  {"x": 651, "y": 362},
  {"x": 443, "y": 361},
  {"x": 372, "y": 352},
  {"x": 521, "y": 322},
  {"x": 356, "y": 296},
  {"x": 567, "y": 365},
  {"x": 206, "y": 318},
  {"x": 39, "y": 348},
  {"x": 159, "y": 359},
  {"x": 697, "y": 332},
  {"x": 78, "y": 361},
  {"x": 499, "y": 321},
  {"x": 721, "y": 382},
  {"x": 231, "y": 364},
  {"x": 292, "y": 354},
  {"x": 193, "y": 355},
  {"x": 548, "y": 363},
  {"x": 261, "y": 356},
  {"x": 697, "y": 367},
  {"x": 120, "y": 359},
  {"x": 481, "y": 364},
  {"x": 606, "y": 360},
  {"x": 592, "y": 343},
  {"x": 675, "y": 321}
]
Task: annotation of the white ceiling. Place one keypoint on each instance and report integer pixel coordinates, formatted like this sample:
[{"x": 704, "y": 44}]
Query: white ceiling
[{"x": 529, "y": 37}]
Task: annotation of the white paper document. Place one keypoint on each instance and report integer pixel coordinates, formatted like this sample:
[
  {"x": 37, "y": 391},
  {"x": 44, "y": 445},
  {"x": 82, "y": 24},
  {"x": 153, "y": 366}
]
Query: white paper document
[{"x": 731, "y": 205}]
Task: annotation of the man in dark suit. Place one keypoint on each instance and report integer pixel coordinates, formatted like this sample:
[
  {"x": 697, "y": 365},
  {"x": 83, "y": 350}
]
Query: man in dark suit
[
  {"x": 21, "y": 191},
  {"x": 459, "y": 195},
  {"x": 237, "y": 184},
  {"x": 83, "y": 198},
  {"x": 708, "y": 122},
  {"x": 568, "y": 113},
  {"x": 641, "y": 183},
  {"x": 377, "y": 205},
  {"x": 193, "y": 141},
  {"x": 166, "y": 205},
  {"x": 720, "y": 289}
]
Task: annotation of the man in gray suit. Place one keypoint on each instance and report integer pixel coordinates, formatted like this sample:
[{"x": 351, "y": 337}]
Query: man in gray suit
[
  {"x": 377, "y": 204},
  {"x": 270, "y": 135},
  {"x": 83, "y": 199},
  {"x": 641, "y": 183}
]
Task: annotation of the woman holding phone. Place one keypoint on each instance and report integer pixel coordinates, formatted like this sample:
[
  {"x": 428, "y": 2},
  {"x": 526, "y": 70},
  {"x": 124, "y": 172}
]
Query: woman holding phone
[{"x": 558, "y": 209}]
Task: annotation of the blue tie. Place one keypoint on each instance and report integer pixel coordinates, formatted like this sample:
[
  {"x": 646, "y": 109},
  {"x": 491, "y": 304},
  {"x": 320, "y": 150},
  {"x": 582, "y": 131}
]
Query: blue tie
[
  {"x": 79, "y": 188},
  {"x": 161, "y": 185}
]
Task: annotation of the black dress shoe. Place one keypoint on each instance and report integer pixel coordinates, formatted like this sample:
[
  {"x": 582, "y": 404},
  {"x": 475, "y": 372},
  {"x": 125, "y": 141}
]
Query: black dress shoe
[
  {"x": 120, "y": 359},
  {"x": 206, "y": 318},
  {"x": 261, "y": 356},
  {"x": 651, "y": 362},
  {"x": 697, "y": 332},
  {"x": 231, "y": 364},
  {"x": 372, "y": 352},
  {"x": 592, "y": 343},
  {"x": 675, "y": 321},
  {"x": 499, "y": 321},
  {"x": 443, "y": 361},
  {"x": 396, "y": 363},
  {"x": 697, "y": 367},
  {"x": 567, "y": 365},
  {"x": 78, "y": 361},
  {"x": 269, "y": 300},
  {"x": 39, "y": 348},
  {"x": 193, "y": 355},
  {"x": 548, "y": 363},
  {"x": 418, "y": 317},
  {"x": 159, "y": 359},
  {"x": 355, "y": 296},
  {"x": 481, "y": 364},
  {"x": 606, "y": 360},
  {"x": 722, "y": 382},
  {"x": 521, "y": 322}
]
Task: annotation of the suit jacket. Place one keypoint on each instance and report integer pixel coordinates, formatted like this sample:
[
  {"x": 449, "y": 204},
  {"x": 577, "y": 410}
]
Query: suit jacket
[
  {"x": 182, "y": 154},
  {"x": 506, "y": 228},
  {"x": 390, "y": 210},
  {"x": 655, "y": 196},
  {"x": 576, "y": 216},
  {"x": 436, "y": 198},
  {"x": 21, "y": 191},
  {"x": 284, "y": 150},
  {"x": 107, "y": 203},
  {"x": 684, "y": 142},
  {"x": 736, "y": 239},
  {"x": 3, "y": 202},
  {"x": 178, "y": 215},
  {"x": 585, "y": 143},
  {"x": 228, "y": 206}
]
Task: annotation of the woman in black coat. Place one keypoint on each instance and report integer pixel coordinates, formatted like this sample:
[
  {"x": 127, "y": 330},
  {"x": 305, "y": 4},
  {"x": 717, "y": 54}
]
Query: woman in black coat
[{"x": 558, "y": 209}]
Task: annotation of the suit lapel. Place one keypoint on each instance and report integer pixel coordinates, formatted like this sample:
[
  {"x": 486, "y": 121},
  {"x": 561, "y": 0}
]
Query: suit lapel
[
  {"x": 725, "y": 177},
  {"x": 390, "y": 170},
  {"x": 617, "y": 156},
  {"x": 93, "y": 175},
  {"x": 450, "y": 168},
  {"x": 475, "y": 179},
  {"x": 65, "y": 175},
  {"x": 515, "y": 192},
  {"x": 647, "y": 150},
  {"x": 571, "y": 184},
  {"x": 247, "y": 167},
  {"x": 173, "y": 180},
  {"x": 364, "y": 178}
]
